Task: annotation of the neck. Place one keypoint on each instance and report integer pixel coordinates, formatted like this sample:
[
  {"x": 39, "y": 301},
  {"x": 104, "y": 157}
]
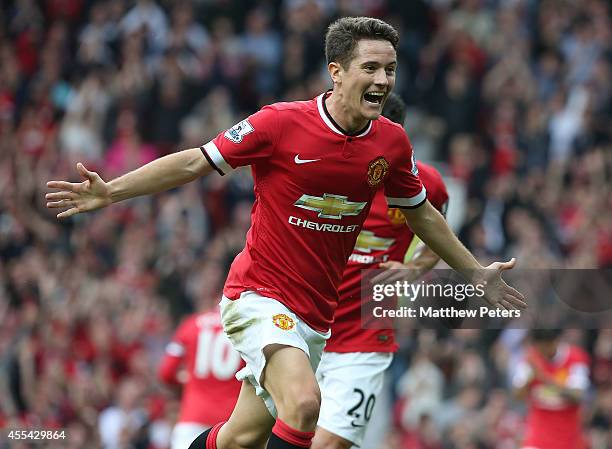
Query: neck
[{"x": 339, "y": 112}]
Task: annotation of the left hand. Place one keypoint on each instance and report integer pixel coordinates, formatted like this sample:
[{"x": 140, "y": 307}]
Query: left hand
[{"x": 497, "y": 292}]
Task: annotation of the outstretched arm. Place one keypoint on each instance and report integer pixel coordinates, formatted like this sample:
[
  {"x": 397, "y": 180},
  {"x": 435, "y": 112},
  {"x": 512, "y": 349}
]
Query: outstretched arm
[
  {"x": 432, "y": 228},
  {"x": 94, "y": 193}
]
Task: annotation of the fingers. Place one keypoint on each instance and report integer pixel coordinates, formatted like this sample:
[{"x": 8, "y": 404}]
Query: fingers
[
  {"x": 515, "y": 297},
  {"x": 509, "y": 301},
  {"x": 68, "y": 213},
  {"x": 61, "y": 203},
  {"x": 501, "y": 266},
  {"x": 385, "y": 276},
  {"x": 90, "y": 175},
  {"x": 395, "y": 271},
  {"x": 64, "y": 185},
  {"x": 519, "y": 303},
  {"x": 386, "y": 265},
  {"x": 504, "y": 305},
  {"x": 509, "y": 305},
  {"x": 74, "y": 186},
  {"x": 498, "y": 305},
  {"x": 507, "y": 265},
  {"x": 62, "y": 199},
  {"x": 64, "y": 195}
]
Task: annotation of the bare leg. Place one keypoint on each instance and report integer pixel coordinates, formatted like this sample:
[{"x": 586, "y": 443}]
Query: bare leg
[
  {"x": 250, "y": 424},
  {"x": 289, "y": 379}
]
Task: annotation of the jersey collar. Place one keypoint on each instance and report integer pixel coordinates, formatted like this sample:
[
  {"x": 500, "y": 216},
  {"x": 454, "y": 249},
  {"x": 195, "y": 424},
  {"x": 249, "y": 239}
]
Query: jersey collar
[{"x": 331, "y": 124}]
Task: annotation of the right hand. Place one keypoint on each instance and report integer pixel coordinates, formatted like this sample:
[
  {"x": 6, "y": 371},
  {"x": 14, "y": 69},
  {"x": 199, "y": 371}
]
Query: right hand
[
  {"x": 76, "y": 197},
  {"x": 396, "y": 271}
]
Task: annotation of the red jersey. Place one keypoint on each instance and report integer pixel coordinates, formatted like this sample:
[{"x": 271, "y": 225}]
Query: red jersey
[
  {"x": 313, "y": 188},
  {"x": 384, "y": 237},
  {"x": 554, "y": 422},
  {"x": 210, "y": 389}
]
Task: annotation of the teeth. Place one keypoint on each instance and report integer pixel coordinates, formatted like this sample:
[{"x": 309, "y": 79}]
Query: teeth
[{"x": 374, "y": 97}]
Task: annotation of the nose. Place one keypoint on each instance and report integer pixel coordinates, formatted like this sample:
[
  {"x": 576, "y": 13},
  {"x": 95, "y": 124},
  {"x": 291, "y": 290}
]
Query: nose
[{"x": 380, "y": 78}]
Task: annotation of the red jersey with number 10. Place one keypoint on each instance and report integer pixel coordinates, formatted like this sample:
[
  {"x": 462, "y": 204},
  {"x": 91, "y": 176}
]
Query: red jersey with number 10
[
  {"x": 384, "y": 237},
  {"x": 210, "y": 363},
  {"x": 313, "y": 188}
]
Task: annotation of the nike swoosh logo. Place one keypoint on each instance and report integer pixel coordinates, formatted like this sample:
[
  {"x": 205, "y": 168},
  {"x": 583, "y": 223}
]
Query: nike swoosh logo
[{"x": 304, "y": 161}]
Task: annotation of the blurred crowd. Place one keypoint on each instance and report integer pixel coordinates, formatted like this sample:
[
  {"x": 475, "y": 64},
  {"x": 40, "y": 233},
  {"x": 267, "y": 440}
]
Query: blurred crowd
[
  {"x": 451, "y": 390},
  {"x": 512, "y": 99}
]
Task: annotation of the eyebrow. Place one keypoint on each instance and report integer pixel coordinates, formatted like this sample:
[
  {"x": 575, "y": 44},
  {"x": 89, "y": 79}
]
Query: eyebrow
[{"x": 377, "y": 63}]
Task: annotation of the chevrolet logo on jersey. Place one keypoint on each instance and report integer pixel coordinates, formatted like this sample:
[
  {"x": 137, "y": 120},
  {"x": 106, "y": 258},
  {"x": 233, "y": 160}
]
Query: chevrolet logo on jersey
[
  {"x": 330, "y": 206},
  {"x": 367, "y": 241}
]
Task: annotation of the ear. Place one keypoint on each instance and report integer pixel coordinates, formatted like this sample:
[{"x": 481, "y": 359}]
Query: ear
[{"x": 335, "y": 71}]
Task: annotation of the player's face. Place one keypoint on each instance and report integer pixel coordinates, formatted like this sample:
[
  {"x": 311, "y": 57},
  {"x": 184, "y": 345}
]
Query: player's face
[
  {"x": 369, "y": 79},
  {"x": 547, "y": 348}
]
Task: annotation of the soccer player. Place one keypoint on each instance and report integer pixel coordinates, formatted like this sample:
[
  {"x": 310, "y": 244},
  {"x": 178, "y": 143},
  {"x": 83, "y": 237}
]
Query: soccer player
[
  {"x": 317, "y": 165},
  {"x": 553, "y": 377},
  {"x": 202, "y": 361},
  {"x": 351, "y": 372}
]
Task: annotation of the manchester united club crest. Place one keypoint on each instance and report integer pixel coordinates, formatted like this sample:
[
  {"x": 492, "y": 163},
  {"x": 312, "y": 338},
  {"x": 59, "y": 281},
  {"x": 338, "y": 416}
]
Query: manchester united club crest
[
  {"x": 283, "y": 322},
  {"x": 377, "y": 170},
  {"x": 396, "y": 217}
]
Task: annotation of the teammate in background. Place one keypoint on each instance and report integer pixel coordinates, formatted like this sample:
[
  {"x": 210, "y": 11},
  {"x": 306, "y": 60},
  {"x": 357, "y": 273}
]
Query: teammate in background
[
  {"x": 201, "y": 360},
  {"x": 317, "y": 165},
  {"x": 351, "y": 372},
  {"x": 553, "y": 378}
]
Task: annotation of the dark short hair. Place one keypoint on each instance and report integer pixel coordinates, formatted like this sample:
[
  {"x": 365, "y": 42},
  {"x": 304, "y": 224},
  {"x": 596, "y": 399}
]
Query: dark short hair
[
  {"x": 342, "y": 37},
  {"x": 395, "y": 109},
  {"x": 545, "y": 334}
]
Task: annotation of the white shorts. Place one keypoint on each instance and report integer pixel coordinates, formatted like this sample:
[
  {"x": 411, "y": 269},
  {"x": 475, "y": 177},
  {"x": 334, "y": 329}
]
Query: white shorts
[
  {"x": 184, "y": 433},
  {"x": 253, "y": 322},
  {"x": 350, "y": 383}
]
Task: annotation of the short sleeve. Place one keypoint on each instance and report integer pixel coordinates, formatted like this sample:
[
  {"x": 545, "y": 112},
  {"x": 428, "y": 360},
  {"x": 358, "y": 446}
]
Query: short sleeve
[
  {"x": 434, "y": 184},
  {"x": 403, "y": 188},
  {"x": 176, "y": 348},
  {"x": 443, "y": 207},
  {"x": 247, "y": 143},
  {"x": 578, "y": 376},
  {"x": 522, "y": 375}
]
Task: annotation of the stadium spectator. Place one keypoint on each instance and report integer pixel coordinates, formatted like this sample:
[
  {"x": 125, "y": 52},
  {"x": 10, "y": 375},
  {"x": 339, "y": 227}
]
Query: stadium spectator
[{"x": 121, "y": 424}]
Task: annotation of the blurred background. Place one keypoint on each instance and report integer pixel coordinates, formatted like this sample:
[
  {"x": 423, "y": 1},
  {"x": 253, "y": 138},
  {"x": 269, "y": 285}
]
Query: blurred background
[{"x": 510, "y": 99}]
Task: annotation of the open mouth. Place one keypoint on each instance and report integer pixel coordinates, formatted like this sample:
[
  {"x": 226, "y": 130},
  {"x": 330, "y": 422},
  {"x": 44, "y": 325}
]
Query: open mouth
[{"x": 374, "y": 97}]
